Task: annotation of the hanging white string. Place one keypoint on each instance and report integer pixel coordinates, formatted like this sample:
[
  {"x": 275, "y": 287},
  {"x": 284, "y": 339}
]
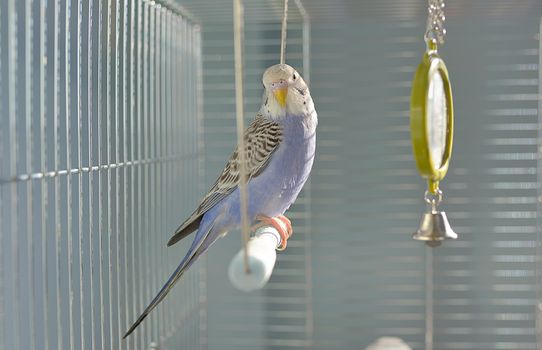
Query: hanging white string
[
  {"x": 238, "y": 31},
  {"x": 283, "y": 32}
]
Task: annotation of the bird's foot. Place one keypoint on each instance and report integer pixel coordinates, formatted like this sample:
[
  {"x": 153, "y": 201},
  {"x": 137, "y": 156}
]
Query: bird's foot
[{"x": 281, "y": 223}]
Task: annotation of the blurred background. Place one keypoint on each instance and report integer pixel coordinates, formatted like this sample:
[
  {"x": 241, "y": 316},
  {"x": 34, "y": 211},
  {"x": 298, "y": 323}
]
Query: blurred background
[{"x": 116, "y": 116}]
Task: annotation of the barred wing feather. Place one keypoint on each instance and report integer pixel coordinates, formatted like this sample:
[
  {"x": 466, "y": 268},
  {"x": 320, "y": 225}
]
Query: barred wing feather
[{"x": 262, "y": 138}]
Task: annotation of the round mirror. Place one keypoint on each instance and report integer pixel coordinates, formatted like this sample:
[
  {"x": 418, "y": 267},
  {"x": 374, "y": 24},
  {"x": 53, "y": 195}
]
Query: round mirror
[
  {"x": 432, "y": 119},
  {"x": 437, "y": 119}
]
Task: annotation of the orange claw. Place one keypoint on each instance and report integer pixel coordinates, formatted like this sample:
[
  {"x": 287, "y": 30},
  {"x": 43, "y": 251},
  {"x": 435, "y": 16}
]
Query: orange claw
[{"x": 281, "y": 223}]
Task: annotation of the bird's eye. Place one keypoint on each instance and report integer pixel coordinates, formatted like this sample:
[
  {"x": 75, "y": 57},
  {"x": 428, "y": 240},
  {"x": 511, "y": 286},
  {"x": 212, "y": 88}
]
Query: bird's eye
[{"x": 294, "y": 76}]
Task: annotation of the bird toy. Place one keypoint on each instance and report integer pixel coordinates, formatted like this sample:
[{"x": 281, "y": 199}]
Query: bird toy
[{"x": 431, "y": 126}]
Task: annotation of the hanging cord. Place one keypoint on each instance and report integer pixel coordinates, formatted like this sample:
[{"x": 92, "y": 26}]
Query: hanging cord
[
  {"x": 283, "y": 32},
  {"x": 435, "y": 31},
  {"x": 238, "y": 30}
]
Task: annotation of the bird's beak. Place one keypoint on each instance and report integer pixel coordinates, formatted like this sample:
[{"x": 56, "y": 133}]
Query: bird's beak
[{"x": 280, "y": 95}]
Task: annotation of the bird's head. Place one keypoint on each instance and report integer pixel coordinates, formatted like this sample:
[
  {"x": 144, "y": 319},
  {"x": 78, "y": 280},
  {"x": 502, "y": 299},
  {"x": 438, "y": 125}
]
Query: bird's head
[{"x": 285, "y": 92}]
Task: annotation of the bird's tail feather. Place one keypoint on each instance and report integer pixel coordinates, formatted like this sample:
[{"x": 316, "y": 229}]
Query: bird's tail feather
[
  {"x": 187, "y": 261},
  {"x": 184, "y": 230}
]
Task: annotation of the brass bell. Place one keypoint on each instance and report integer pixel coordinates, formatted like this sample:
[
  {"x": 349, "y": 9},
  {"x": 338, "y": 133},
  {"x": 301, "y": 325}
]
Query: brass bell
[{"x": 434, "y": 228}]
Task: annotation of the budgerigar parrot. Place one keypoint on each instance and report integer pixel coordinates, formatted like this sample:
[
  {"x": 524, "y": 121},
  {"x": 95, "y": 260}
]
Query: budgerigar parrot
[{"x": 279, "y": 147}]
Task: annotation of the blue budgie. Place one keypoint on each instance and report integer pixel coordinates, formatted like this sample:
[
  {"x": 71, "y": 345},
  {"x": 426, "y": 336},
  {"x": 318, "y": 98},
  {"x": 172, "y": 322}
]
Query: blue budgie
[{"x": 279, "y": 148}]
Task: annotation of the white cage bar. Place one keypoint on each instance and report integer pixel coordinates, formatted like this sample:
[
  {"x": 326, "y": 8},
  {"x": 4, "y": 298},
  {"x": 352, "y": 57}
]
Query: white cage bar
[{"x": 100, "y": 139}]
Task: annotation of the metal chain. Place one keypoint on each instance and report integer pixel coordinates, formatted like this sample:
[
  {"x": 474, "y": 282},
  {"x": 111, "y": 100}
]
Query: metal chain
[
  {"x": 435, "y": 23},
  {"x": 433, "y": 199}
]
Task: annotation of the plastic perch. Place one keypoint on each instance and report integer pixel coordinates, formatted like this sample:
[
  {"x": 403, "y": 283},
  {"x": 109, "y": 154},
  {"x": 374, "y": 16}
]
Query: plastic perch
[
  {"x": 261, "y": 260},
  {"x": 389, "y": 343}
]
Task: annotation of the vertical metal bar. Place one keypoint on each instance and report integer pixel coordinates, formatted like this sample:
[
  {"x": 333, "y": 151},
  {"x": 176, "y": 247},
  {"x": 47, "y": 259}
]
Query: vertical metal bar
[
  {"x": 166, "y": 93},
  {"x": 146, "y": 121},
  {"x": 171, "y": 142},
  {"x": 13, "y": 156},
  {"x": 141, "y": 80},
  {"x": 184, "y": 170},
  {"x": 166, "y": 44},
  {"x": 200, "y": 151},
  {"x": 3, "y": 232},
  {"x": 162, "y": 137},
  {"x": 159, "y": 161},
  {"x": 136, "y": 193},
  {"x": 133, "y": 169},
  {"x": 109, "y": 173},
  {"x": 176, "y": 119},
  {"x": 429, "y": 298},
  {"x": 155, "y": 134},
  {"x": 90, "y": 97},
  {"x": 538, "y": 310},
  {"x": 125, "y": 65},
  {"x": 191, "y": 111},
  {"x": 182, "y": 114},
  {"x": 172, "y": 74},
  {"x": 188, "y": 123},
  {"x": 309, "y": 323},
  {"x": 29, "y": 148},
  {"x": 43, "y": 165},
  {"x": 123, "y": 316},
  {"x": 118, "y": 170},
  {"x": 79, "y": 166},
  {"x": 163, "y": 155},
  {"x": 69, "y": 228},
  {"x": 176, "y": 110},
  {"x": 183, "y": 123},
  {"x": 194, "y": 177},
  {"x": 189, "y": 176},
  {"x": 56, "y": 138},
  {"x": 177, "y": 59},
  {"x": 151, "y": 181},
  {"x": 193, "y": 170},
  {"x": 100, "y": 194}
]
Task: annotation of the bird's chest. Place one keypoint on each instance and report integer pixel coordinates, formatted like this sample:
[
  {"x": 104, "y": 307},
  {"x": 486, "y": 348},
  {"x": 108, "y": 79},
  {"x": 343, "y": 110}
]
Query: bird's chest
[{"x": 291, "y": 163}]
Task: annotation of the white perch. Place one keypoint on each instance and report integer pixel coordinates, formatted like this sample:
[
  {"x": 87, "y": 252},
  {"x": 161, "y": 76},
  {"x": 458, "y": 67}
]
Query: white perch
[
  {"x": 261, "y": 260},
  {"x": 389, "y": 343}
]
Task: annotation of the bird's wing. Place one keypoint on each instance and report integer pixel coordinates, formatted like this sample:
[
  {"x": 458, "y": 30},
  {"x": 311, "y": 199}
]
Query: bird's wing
[{"x": 262, "y": 138}]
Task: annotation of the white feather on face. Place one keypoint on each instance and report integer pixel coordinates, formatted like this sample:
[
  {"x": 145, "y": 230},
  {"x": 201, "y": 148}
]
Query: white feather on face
[{"x": 298, "y": 101}]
